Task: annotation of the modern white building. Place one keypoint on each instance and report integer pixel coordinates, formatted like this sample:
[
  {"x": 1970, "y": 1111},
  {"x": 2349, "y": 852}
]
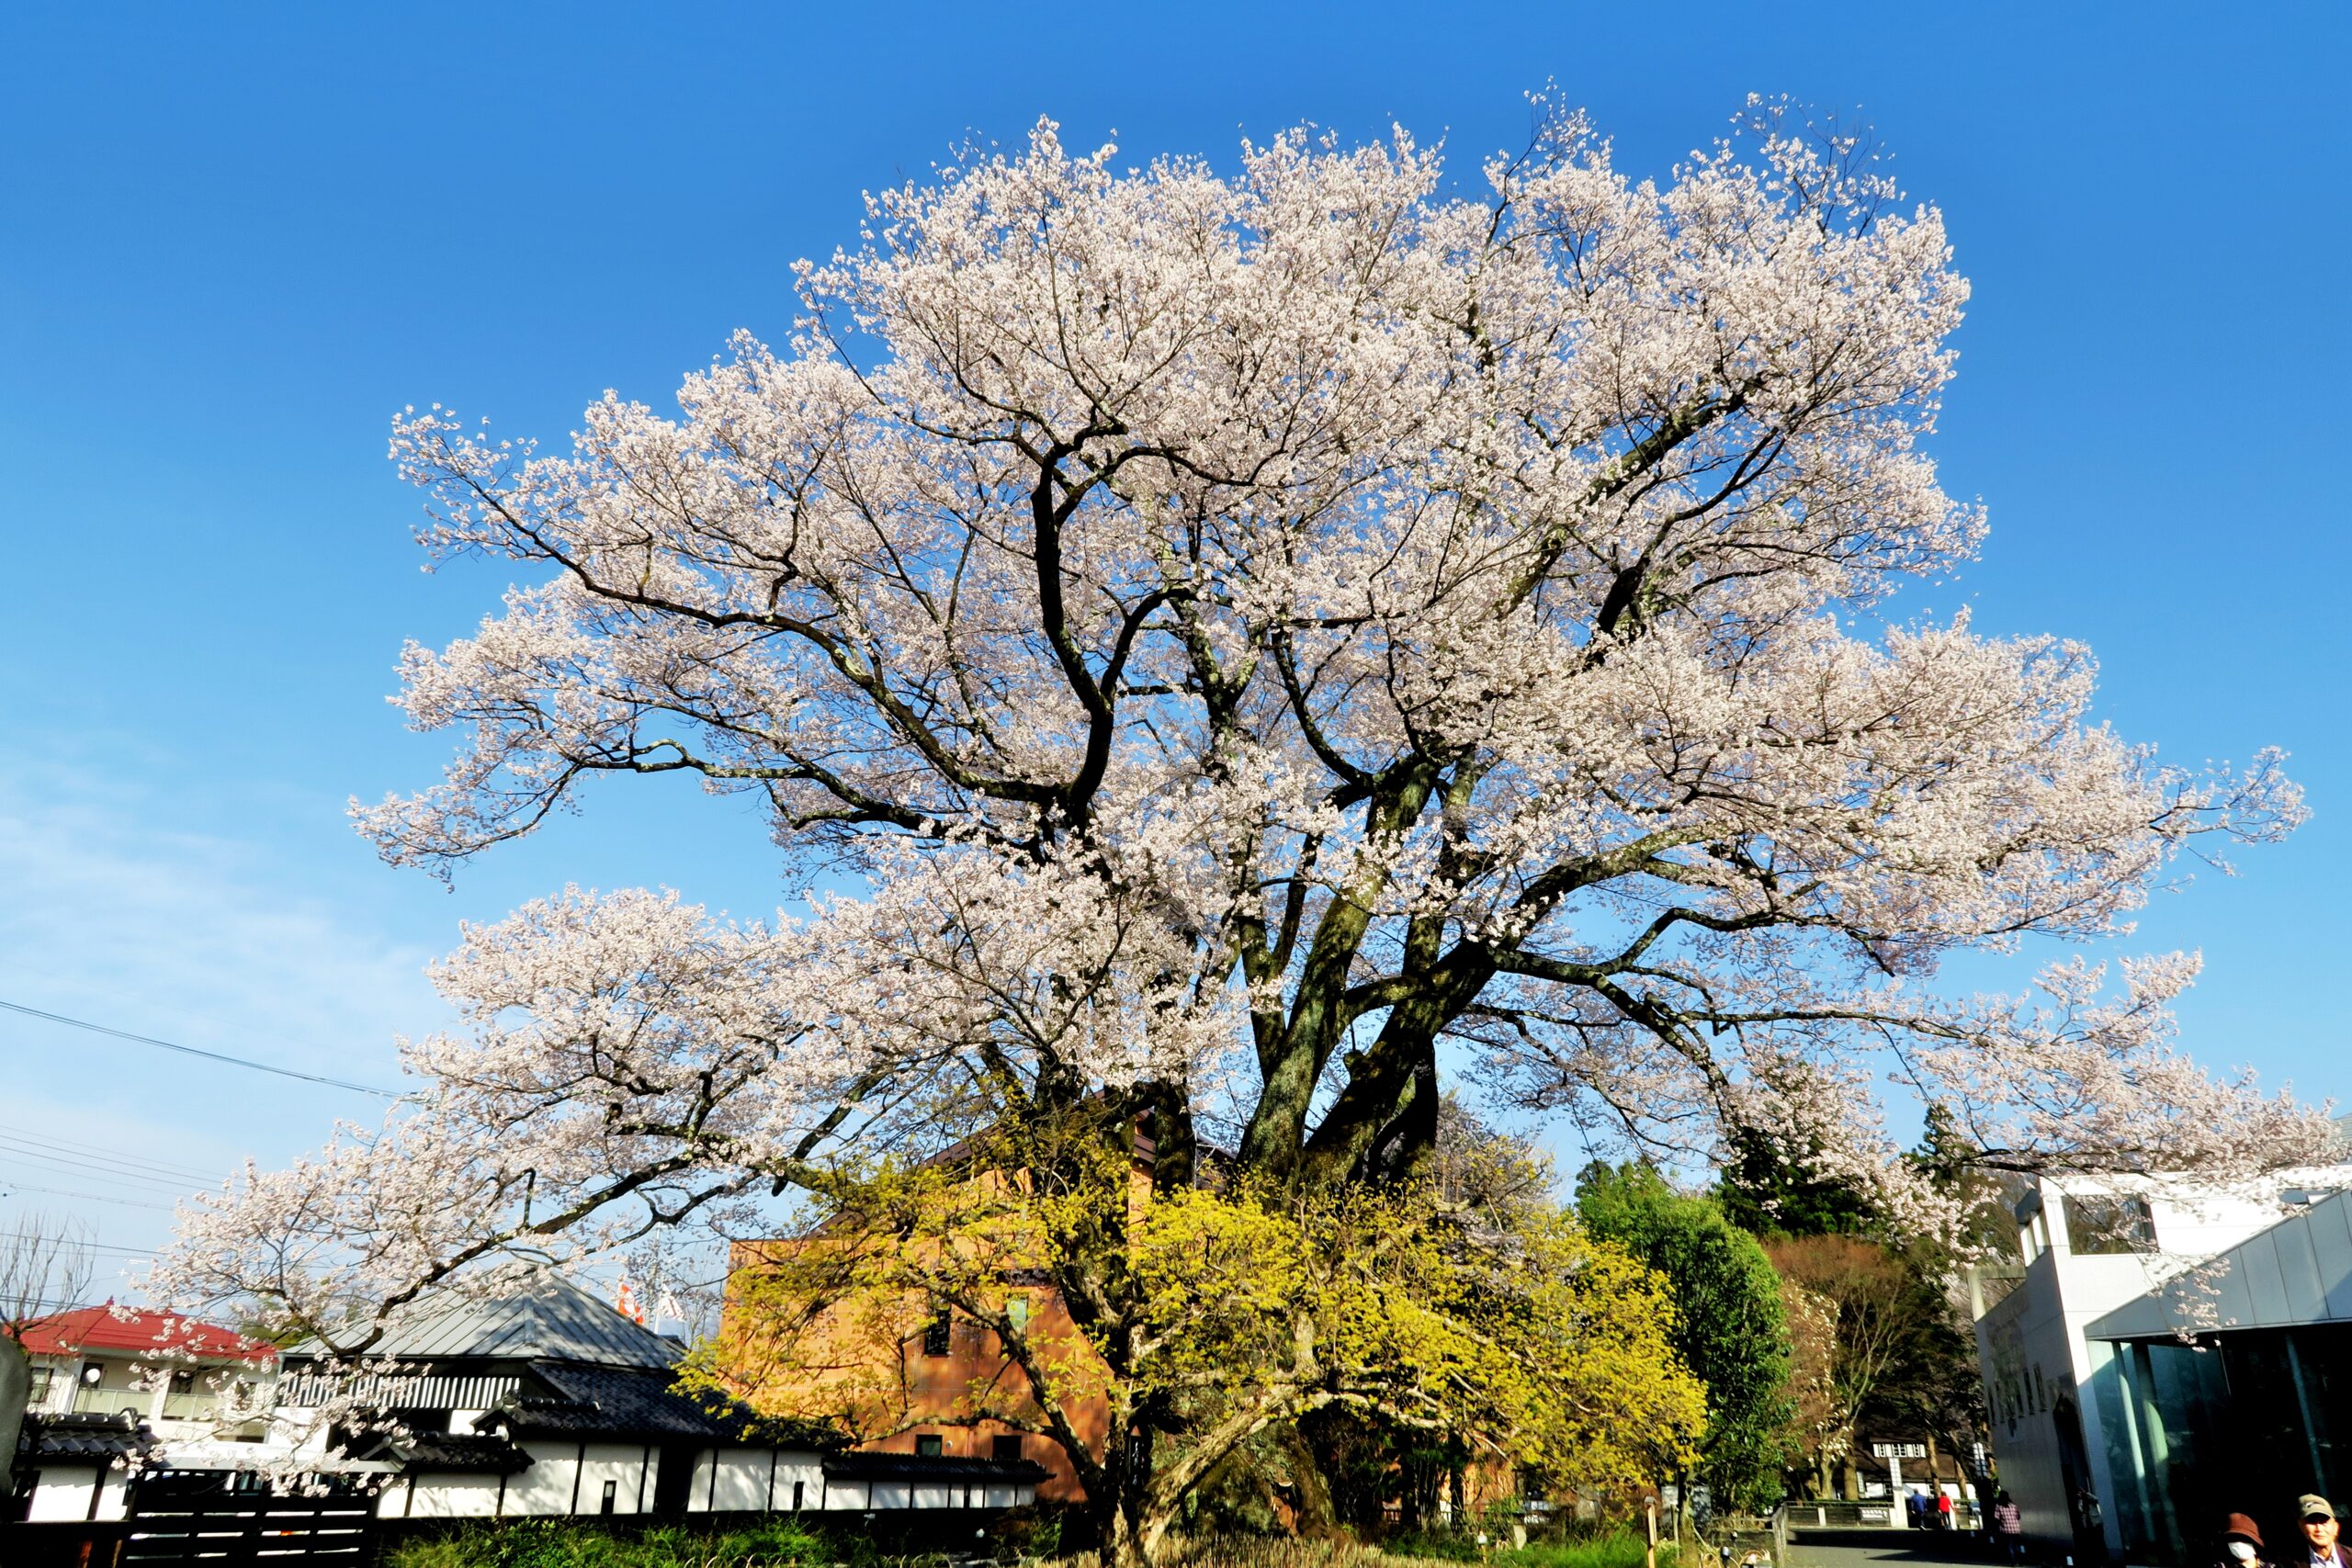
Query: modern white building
[
  {"x": 2129, "y": 1286},
  {"x": 112, "y": 1386},
  {"x": 182, "y": 1378}
]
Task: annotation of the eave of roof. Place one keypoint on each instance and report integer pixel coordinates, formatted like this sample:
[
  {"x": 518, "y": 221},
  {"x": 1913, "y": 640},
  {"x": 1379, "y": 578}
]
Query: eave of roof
[
  {"x": 637, "y": 1403},
  {"x": 867, "y": 1464},
  {"x": 84, "y": 1435},
  {"x": 110, "y": 1328},
  {"x": 441, "y": 1453}
]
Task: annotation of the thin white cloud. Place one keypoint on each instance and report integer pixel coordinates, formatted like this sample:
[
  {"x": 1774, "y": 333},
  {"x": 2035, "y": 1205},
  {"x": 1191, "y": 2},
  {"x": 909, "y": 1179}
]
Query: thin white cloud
[{"x": 123, "y": 905}]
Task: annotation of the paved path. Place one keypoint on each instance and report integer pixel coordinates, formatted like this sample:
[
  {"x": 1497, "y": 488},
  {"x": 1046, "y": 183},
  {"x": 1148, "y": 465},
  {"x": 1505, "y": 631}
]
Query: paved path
[{"x": 1892, "y": 1549}]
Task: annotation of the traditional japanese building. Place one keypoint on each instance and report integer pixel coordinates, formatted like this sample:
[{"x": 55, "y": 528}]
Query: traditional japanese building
[{"x": 544, "y": 1401}]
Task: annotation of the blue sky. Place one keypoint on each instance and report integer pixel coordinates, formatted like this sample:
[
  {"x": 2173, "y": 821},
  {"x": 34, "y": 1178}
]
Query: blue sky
[{"x": 234, "y": 240}]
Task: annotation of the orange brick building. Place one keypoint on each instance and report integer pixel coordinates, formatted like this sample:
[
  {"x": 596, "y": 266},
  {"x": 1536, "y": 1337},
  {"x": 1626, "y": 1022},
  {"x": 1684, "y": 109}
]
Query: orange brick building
[{"x": 934, "y": 1368}]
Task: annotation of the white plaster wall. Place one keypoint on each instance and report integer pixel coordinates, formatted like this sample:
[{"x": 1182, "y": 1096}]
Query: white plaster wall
[
  {"x": 860, "y": 1496},
  {"x": 546, "y": 1487},
  {"x": 64, "y": 1493},
  {"x": 454, "y": 1497},
  {"x": 620, "y": 1464},
  {"x": 791, "y": 1465},
  {"x": 743, "y": 1480}
]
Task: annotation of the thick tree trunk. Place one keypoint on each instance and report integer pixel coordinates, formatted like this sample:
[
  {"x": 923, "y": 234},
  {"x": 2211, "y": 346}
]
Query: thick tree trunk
[{"x": 1315, "y": 1510}]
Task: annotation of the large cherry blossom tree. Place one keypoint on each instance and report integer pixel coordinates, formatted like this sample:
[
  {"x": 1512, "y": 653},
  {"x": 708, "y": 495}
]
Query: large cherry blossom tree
[{"x": 1242, "y": 647}]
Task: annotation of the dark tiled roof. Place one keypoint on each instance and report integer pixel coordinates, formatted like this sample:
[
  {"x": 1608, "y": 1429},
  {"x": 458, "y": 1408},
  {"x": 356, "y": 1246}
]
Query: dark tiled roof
[
  {"x": 638, "y": 1404},
  {"x": 866, "y": 1465},
  {"x": 609, "y": 1402},
  {"x": 441, "y": 1452},
  {"x": 85, "y": 1436}
]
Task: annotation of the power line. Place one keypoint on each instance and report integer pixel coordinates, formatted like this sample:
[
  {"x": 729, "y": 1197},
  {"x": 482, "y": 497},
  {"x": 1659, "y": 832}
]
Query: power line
[
  {"x": 192, "y": 1050},
  {"x": 165, "y": 1196},
  {"x": 29, "y": 1135},
  {"x": 8, "y": 1188},
  {"x": 47, "y": 1159},
  {"x": 81, "y": 1246},
  {"x": 32, "y": 1148},
  {"x": 128, "y": 1165}
]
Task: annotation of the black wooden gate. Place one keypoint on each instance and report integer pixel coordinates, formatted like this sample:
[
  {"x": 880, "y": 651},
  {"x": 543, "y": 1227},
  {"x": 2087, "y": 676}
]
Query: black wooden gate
[{"x": 187, "y": 1517}]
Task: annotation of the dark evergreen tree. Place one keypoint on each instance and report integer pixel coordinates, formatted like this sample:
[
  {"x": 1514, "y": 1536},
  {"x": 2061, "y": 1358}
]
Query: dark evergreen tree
[{"x": 1732, "y": 1336}]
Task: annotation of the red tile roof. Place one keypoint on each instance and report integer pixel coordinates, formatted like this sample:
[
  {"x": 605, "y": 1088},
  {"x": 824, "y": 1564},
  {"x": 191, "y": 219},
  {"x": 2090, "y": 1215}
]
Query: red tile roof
[{"x": 111, "y": 1327}]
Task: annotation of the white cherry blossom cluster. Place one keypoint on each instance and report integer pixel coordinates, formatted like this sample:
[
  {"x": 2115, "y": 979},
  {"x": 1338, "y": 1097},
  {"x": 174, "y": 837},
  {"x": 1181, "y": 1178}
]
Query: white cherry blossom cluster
[{"x": 1244, "y": 633}]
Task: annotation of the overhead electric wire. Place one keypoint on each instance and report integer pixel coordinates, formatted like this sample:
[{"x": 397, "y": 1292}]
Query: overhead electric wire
[
  {"x": 14, "y": 1146},
  {"x": 85, "y": 1246},
  {"x": 71, "y": 1146},
  {"x": 44, "y": 1160},
  {"x": 192, "y": 1050},
  {"x": 35, "y": 1135},
  {"x": 10, "y": 1148},
  {"x": 9, "y": 1189}
]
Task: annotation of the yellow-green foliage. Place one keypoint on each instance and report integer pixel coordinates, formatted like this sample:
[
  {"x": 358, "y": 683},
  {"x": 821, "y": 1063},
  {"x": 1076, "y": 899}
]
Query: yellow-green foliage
[
  {"x": 1221, "y": 1313},
  {"x": 1540, "y": 1345}
]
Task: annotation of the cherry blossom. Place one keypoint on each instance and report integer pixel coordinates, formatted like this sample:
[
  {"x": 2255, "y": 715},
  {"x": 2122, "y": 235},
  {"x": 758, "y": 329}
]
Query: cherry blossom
[{"x": 1224, "y": 640}]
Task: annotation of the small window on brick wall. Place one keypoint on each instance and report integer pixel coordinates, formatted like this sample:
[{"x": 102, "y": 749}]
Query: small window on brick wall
[
  {"x": 930, "y": 1445},
  {"x": 1006, "y": 1449},
  {"x": 935, "y": 1333}
]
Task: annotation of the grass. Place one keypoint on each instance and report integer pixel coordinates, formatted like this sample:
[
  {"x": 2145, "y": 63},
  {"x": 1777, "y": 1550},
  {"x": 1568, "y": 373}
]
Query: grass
[
  {"x": 548, "y": 1544},
  {"x": 1613, "y": 1549},
  {"x": 1617, "y": 1549},
  {"x": 785, "y": 1543}
]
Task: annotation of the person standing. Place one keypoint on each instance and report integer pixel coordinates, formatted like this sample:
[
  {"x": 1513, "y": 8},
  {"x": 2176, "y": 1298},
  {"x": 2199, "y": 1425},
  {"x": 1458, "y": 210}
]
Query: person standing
[
  {"x": 2317, "y": 1516},
  {"x": 1943, "y": 1511},
  {"x": 2009, "y": 1526}
]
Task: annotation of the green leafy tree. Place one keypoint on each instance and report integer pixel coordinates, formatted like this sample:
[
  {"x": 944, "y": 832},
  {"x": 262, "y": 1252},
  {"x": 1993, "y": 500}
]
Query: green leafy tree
[
  {"x": 1901, "y": 1356},
  {"x": 1765, "y": 1193},
  {"x": 1731, "y": 1331}
]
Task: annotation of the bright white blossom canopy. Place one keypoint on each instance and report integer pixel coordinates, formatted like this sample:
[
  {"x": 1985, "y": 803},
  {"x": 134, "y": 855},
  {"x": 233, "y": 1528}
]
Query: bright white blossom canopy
[{"x": 1222, "y": 636}]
